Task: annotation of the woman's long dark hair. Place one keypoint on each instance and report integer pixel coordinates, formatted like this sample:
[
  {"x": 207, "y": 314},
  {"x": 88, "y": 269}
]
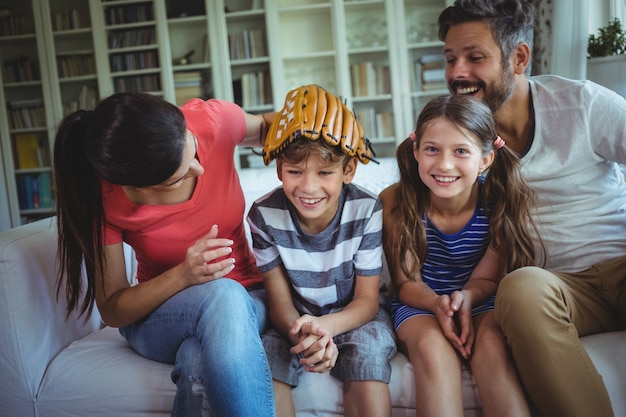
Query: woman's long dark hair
[
  {"x": 132, "y": 139},
  {"x": 506, "y": 197}
]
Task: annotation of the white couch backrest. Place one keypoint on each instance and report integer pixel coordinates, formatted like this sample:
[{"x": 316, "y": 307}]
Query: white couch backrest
[{"x": 33, "y": 328}]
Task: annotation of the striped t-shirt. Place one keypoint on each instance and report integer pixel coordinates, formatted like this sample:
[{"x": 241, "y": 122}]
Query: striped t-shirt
[
  {"x": 322, "y": 268},
  {"x": 450, "y": 261}
]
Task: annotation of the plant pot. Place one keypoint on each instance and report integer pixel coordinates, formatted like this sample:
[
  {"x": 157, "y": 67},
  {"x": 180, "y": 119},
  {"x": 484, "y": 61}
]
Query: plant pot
[{"x": 609, "y": 71}]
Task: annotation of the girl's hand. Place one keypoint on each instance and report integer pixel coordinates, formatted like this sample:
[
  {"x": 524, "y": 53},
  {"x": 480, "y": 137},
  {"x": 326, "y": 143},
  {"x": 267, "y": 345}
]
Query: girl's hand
[
  {"x": 205, "y": 259},
  {"x": 463, "y": 307},
  {"x": 454, "y": 312},
  {"x": 314, "y": 345}
]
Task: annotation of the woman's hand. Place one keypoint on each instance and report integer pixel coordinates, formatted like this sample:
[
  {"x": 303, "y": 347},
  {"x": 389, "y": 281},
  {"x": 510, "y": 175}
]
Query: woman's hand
[
  {"x": 455, "y": 318},
  {"x": 205, "y": 259},
  {"x": 314, "y": 345}
]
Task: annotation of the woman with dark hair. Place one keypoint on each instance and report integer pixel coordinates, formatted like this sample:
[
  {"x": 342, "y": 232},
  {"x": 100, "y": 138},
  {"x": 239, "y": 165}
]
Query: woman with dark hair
[{"x": 132, "y": 171}]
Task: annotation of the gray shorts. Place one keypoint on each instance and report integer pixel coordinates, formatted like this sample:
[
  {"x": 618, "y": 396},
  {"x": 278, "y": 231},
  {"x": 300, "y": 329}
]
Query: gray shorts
[{"x": 364, "y": 353}]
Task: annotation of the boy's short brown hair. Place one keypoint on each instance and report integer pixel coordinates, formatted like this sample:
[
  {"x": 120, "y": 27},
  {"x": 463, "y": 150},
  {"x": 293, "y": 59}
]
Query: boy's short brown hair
[{"x": 302, "y": 148}]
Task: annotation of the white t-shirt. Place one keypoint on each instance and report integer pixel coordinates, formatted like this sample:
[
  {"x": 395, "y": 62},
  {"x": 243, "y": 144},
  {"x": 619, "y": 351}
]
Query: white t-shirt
[{"x": 580, "y": 136}]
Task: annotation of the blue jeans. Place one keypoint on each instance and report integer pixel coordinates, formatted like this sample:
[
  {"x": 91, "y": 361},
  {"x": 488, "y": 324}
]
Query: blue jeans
[{"x": 211, "y": 333}]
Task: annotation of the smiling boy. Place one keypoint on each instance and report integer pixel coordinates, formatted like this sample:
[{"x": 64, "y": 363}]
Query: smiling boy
[{"x": 317, "y": 241}]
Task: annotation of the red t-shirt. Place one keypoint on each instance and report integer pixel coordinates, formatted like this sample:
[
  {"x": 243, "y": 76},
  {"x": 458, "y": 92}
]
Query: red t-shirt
[{"x": 161, "y": 234}]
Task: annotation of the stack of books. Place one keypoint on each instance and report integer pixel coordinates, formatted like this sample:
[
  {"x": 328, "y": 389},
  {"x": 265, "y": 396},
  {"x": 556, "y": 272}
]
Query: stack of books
[
  {"x": 187, "y": 85},
  {"x": 430, "y": 73}
]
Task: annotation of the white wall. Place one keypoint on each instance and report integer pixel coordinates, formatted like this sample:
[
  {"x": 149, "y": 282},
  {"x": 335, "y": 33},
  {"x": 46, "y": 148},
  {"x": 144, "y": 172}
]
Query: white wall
[
  {"x": 572, "y": 23},
  {"x": 599, "y": 15}
]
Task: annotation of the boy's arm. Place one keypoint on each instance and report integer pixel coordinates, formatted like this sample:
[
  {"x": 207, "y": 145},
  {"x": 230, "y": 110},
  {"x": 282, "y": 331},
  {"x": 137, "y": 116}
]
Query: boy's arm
[
  {"x": 282, "y": 311},
  {"x": 314, "y": 344},
  {"x": 360, "y": 310}
]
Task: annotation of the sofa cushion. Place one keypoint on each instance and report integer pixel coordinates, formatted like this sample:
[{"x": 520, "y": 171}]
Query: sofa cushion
[
  {"x": 93, "y": 373},
  {"x": 608, "y": 353},
  {"x": 101, "y": 369}
]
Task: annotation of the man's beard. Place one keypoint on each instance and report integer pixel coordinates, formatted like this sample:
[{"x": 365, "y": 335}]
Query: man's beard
[{"x": 498, "y": 93}]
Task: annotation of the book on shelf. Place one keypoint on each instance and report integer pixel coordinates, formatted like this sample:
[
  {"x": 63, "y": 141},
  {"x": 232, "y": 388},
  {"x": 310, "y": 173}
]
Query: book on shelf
[
  {"x": 35, "y": 191},
  {"x": 45, "y": 190},
  {"x": 384, "y": 124},
  {"x": 27, "y": 114},
  {"x": 71, "y": 19},
  {"x": 375, "y": 124},
  {"x": 12, "y": 24},
  {"x": 430, "y": 72},
  {"x": 76, "y": 65},
  {"x": 369, "y": 79},
  {"x": 87, "y": 99},
  {"x": 253, "y": 89},
  {"x": 187, "y": 85},
  {"x": 27, "y": 149},
  {"x": 246, "y": 44},
  {"x": 21, "y": 69}
]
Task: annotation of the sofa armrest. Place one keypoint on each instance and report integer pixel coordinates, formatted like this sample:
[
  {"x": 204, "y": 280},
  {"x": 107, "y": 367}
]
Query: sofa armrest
[{"x": 33, "y": 325}]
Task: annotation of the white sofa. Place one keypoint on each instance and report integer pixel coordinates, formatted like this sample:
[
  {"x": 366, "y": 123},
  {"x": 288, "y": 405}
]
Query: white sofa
[{"x": 52, "y": 367}]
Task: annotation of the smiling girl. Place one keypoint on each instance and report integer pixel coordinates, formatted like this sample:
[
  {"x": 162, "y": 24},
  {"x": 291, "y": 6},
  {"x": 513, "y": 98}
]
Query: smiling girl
[{"x": 451, "y": 230}]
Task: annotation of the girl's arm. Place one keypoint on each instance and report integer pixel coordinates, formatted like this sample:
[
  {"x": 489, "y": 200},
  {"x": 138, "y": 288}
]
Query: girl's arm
[
  {"x": 484, "y": 279},
  {"x": 412, "y": 292},
  {"x": 256, "y": 129},
  {"x": 121, "y": 304},
  {"x": 481, "y": 285}
]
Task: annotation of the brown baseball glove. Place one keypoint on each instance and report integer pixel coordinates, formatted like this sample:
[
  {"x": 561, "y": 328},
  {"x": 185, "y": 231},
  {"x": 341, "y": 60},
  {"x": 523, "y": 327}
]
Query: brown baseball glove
[{"x": 312, "y": 112}]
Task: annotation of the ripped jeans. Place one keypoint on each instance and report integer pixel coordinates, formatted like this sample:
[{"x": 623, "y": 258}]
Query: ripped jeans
[{"x": 211, "y": 333}]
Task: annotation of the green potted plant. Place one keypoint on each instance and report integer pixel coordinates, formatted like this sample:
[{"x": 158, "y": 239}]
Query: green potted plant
[
  {"x": 610, "y": 41},
  {"x": 606, "y": 63}
]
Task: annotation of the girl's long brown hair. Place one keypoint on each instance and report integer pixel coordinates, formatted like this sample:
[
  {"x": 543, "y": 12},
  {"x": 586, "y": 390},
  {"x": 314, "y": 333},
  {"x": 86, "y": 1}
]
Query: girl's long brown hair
[{"x": 507, "y": 199}]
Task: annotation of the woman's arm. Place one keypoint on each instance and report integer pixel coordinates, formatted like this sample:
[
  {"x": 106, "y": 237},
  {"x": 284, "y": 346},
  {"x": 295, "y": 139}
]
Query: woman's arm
[
  {"x": 121, "y": 304},
  {"x": 256, "y": 129}
]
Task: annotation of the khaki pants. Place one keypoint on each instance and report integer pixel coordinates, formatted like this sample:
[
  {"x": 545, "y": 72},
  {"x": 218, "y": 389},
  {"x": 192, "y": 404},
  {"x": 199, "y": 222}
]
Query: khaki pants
[{"x": 543, "y": 314}]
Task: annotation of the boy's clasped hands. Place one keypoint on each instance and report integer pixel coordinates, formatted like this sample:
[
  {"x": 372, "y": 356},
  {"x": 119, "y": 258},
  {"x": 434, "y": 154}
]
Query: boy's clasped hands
[{"x": 313, "y": 344}]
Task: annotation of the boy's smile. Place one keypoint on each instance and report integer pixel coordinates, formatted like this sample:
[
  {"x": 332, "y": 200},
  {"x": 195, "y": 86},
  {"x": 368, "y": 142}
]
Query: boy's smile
[{"x": 313, "y": 187}]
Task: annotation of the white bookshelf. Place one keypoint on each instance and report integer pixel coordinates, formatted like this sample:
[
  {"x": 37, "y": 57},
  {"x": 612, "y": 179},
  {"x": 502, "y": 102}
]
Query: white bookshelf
[{"x": 249, "y": 51}]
